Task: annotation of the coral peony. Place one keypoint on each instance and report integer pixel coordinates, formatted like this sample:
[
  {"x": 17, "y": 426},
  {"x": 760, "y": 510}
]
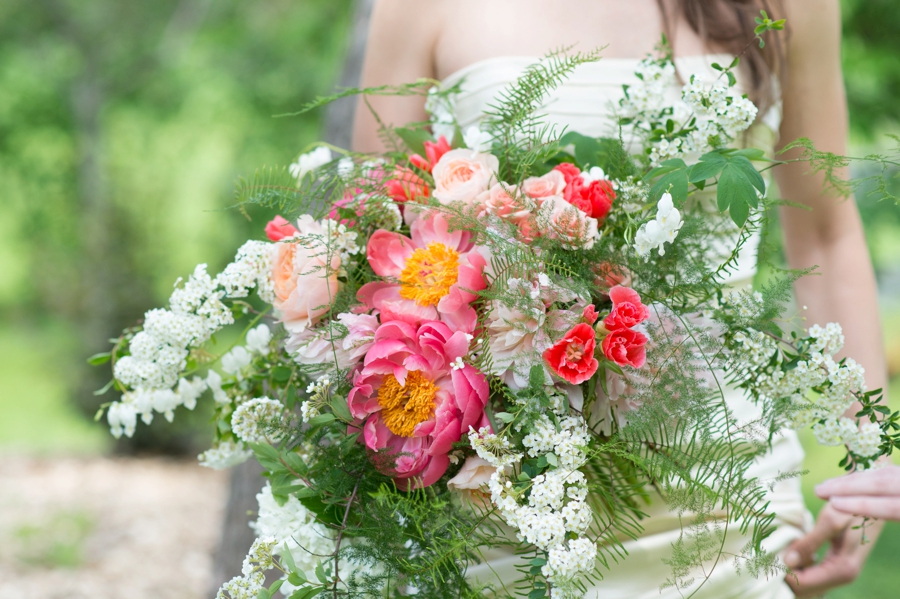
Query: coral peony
[
  {"x": 626, "y": 347},
  {"x": 439, "y": 272},
  {"x": 433, "y": 153},
  {"x": 572, "y": 357},
  {"x": 412, "y": 403},
  {"x": 406, "y": 186}
]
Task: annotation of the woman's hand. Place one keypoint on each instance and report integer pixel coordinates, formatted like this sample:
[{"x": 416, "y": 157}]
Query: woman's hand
[
  {"x": 874, "y": 493},
  {"x": 844, "y": 559}
]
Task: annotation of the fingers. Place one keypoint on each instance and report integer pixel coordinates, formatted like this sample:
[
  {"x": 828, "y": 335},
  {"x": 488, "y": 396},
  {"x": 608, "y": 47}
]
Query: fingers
[
  {"x": 816, "y": 580},
  {"x": 884, "y": 481},
  {"x": 882, "y": 508},
  {"x": 829, "y": 525}
]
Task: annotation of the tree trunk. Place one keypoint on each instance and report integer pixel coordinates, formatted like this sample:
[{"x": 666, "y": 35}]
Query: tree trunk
[{"x": 246, "y": 479}]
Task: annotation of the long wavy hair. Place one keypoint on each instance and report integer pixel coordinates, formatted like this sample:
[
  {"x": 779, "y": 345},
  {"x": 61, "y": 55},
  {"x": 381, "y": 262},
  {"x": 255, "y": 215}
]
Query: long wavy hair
[{"x": 729, "y": 24}]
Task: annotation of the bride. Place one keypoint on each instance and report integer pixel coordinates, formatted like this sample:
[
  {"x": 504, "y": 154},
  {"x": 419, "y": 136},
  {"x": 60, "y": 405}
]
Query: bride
[{"x": 798, "y": 84}]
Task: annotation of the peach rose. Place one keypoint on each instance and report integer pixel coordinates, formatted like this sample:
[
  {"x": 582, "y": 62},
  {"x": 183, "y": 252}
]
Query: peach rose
[
  {"x": 472, "y": 479},
  {"x": 551, "y": 184},
  {"x": 304, "y": 287},
  {"x": 560, "y": 220},
  {"x": 460, "y": 175}
]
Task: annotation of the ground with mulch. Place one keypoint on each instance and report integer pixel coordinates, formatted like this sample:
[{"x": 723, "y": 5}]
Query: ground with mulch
[{"x": 107, "y": 528}]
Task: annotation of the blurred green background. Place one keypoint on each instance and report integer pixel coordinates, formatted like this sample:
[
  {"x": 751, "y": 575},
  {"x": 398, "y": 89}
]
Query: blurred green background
[{"x": 123, "y": 126}]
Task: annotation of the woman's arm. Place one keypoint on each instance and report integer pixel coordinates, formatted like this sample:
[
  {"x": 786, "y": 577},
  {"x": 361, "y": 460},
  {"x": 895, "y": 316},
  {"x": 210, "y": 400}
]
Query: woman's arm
[
  {"x": 828, "y": 235},
  {"x": 400, "y": 49}
]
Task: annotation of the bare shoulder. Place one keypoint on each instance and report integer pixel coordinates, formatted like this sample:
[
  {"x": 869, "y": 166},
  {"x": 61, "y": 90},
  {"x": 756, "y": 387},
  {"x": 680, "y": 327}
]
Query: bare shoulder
[{"x": 813, "y": 24}]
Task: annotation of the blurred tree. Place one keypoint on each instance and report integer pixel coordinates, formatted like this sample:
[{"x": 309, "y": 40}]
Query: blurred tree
[
  {"x": 872, "y": 63},
  {"x": 122, "y": 128}
]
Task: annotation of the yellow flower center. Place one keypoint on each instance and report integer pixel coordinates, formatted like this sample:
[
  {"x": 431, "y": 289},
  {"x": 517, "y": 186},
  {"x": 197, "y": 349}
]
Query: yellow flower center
[
  {"x": 429, "y": 274},
  {"x": 404, "y": 407}
]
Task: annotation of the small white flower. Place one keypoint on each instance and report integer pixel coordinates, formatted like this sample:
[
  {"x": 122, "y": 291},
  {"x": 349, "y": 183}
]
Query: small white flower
[
  {"x": 236, "y": 360},
  {"x": 310, "y": 161},
  {"x": 258, "y": 339},
  {"x": 458, "y": 363},
  {"x": 477, "y": 140},
  {"x": 345, "y": 167},
  {"x": 595, "y": 173}
]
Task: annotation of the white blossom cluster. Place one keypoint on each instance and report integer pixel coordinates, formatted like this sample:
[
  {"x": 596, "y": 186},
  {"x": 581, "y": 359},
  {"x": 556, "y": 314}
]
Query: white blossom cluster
[
  {"x": 664, "y": 228},
  {"x": 318, "y": 397},
  {"x": 295, "y": 528},
  {"x": 225, "y": 455},
  {"x": 158, "y": 354},
  {"x": 310, "y": 161},
  {"x": 555, "y": 507},
  {"x": 631, "y": 194},
  {"x": 714, "y": 113},
  {"x": 820, "y": 389},
  {"x": 253, "y": 572},
  {"x": 644, "y": 101},
  {"x": 258, "y": 420}
]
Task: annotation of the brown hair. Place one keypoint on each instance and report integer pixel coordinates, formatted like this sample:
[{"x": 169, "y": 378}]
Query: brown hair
[{"x": 729, "y": 24}]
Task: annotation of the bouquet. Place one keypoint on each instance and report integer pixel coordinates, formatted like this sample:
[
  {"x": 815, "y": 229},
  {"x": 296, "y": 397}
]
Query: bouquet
[{"x": 509, "y": 336}]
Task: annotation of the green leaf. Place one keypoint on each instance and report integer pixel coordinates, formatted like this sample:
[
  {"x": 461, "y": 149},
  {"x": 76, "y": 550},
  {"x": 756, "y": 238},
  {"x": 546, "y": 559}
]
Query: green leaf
[
  {"x": 264, "y": 594},
  {"x": 320, "y": 574},
  {"x": 414, "y": 139},
  {"x": 340, "y": 408},
  {"x": 717, "y": 66},
  {"x": 752, "y": 154},
  {"x": 710, "y": 165},
  {"x": 537, "y": 594},
  {"x": 322, "y": 419},
  {"x": 505, "y": 417},
  {"x": 98, "y": 359},
  {"x": 749, "y": 171},
  {"x": 675, "y": 183},
  {"x": 297, "y": 577},
  {"x": 281, "y": 374},
  {"x": 275, "y": 586},
  {"x": 288, "y": 560},
  {"x": 736, "y": 194}
]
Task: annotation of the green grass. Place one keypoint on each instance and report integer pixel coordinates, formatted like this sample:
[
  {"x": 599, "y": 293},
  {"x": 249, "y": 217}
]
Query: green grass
[{"x": 36, "y": 416}]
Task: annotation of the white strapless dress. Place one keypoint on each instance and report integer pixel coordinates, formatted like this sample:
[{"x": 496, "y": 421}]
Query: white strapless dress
[{"x": 584, "y": 103}]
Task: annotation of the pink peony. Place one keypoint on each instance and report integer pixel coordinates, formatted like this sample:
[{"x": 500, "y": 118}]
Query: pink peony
[
  {"x": 278, "y": 228},
  {"x": 411, "y": 403},
  {"x": 304, "y": 275},
  {"x": 439, "y": 272},
  {"x": 460, "y": 175}
]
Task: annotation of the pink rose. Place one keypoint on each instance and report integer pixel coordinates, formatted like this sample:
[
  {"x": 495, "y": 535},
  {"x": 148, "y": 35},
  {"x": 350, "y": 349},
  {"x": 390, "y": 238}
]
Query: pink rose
[
  {"x": 305, "y": 280},
  {"x": 563, "y": 221},
  {"x": 460, "y": 175},
  {"x": 551, "y": 184},
  {"x": 278, "y": 228}
]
